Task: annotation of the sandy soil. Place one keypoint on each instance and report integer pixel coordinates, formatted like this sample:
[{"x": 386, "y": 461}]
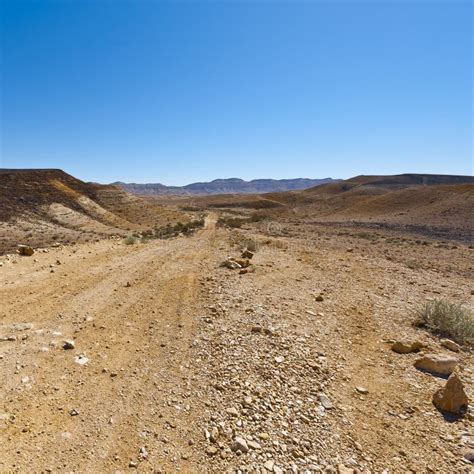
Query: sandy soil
[{"x": 183, "y": 356}]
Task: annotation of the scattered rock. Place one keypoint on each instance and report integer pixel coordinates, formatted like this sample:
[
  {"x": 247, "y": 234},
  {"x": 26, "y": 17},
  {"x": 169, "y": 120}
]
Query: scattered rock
[
  {"x": 319, "y": 298},
  {"x": 240, "y": 444},
  {"x": 269, "y": 465},
  {"x": 230, "y": 263},
  {"x": 247, "y": 401},
  {"x": 254, "y": 445},
  {"x": 25, "y": 250},
  {"x": 211, "y": 450},
  {"x": 469, "y": 456},
  {"x": 437, "y": 364},
  {"x": 81, "y": 359},
  {"x": 243, "y": 262},
  {"x": 341, "y": 469},
  {"x": 143, "y": 453},
  {"x": 325, "y": 402},
  {"x": 22, "y": 326},
  {"x": 232, "y": 411},
  {"x": 362, "y": 390},
  {"x": 69, "y": 344},
  {"x": 451, "y": 345},
  {"x": 247, "y": 254},
  {"x": 404, "y": 347},
  {"x": 451, "y": 398},
  {"x": 214, "y": 435}
]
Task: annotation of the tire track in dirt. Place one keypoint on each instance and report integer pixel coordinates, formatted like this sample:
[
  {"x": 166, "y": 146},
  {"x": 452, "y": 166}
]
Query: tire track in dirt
[{"x": 133, "y": 393}]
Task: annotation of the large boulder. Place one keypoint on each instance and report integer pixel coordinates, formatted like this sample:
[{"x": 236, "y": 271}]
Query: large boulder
[
  {"x": 437, "y": 364},
  {"x": 451, "y": 398},
  {"x": 25, "y": 250},
  {"x": 405, "y": 347}
]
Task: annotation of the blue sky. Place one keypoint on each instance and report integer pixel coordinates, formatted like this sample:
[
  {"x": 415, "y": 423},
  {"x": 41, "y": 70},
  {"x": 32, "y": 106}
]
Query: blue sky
[{"x": 176, "y": 92}]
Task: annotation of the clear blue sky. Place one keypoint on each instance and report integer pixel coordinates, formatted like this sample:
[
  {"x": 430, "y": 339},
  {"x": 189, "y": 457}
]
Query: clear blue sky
[{"x": 176, "y": 92}]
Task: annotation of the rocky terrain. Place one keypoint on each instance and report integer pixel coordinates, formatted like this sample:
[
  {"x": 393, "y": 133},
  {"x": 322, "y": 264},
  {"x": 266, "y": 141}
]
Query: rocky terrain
[{"x": 156, "y": 357}]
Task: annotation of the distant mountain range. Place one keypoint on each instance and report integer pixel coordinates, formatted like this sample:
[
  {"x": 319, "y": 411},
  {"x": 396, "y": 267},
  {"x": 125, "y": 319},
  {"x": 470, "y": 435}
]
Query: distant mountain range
[{"x": 225, "y": 186}]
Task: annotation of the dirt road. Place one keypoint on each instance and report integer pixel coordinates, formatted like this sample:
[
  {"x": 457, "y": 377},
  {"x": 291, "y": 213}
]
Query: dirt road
[
  {"x": 174, "y": 357},
  {"x": 130, "y": 311}
]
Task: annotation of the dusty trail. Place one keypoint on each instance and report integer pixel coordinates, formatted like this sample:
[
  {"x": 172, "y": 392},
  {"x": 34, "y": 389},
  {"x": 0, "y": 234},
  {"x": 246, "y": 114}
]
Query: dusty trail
[{"x": 133, "y": 390}]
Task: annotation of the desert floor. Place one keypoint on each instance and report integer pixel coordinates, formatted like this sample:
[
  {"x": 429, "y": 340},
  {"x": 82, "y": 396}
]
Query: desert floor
[{"x": 177, "y": 358}]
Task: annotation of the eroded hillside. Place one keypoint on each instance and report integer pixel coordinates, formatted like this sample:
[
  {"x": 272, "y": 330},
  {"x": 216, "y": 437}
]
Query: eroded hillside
[{"x": 41, "y": 207}]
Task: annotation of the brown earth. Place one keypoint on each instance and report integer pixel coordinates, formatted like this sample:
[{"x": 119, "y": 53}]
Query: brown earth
[
  {"x": 184, "y": 356},
  {"x": 42, "y": 207},
  {"x": 430, "y": 205}
]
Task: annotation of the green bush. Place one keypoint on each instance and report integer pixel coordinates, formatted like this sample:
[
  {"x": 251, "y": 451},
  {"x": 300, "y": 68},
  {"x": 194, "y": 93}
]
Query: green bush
[{"x": 447, "y": 319}]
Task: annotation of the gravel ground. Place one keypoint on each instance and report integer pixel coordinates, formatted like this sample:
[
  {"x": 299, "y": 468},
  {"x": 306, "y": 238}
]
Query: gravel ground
[{"x": 179, "y": 364}]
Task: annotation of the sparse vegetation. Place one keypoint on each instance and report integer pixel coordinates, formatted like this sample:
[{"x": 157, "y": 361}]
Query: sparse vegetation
[
  {"x": 447, "y": 319},
  {"x": 169, "y": 230},
  {"x": 232, "y": 222},
  {"x": 238, "y": 222},
  {"x": 365, "y": 235},
  {"x": 413, "y": 264},
  {"x": 129, "y": 240}
]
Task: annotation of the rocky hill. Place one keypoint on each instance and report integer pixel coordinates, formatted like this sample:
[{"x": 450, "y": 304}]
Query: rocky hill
[
  {"x": 43, "y": 206},
  {"x": 225, "y": 186},
  {"x": 440, "y": 205}
]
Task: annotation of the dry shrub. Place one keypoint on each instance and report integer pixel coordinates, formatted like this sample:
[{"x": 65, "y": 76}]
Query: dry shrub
[
  {"x": 447, "y": 319},
  {"x": 130, "y": 240}
]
